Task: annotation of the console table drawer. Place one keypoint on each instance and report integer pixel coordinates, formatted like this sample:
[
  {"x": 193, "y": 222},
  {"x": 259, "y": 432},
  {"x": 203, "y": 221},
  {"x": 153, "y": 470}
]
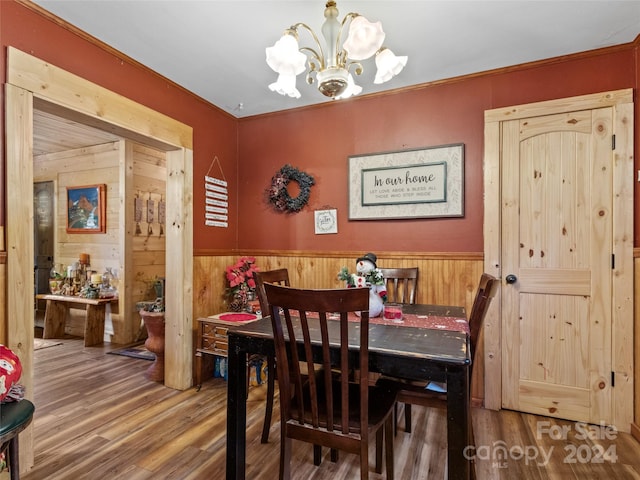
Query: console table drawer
[
  {"x": 217, "y": 346},
  {"x": 213, "y": 330}
]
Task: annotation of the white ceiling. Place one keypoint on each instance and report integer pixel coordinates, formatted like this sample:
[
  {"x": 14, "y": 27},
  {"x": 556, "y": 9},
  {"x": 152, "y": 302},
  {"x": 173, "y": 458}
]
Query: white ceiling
[{"x": 216, "y": 49}]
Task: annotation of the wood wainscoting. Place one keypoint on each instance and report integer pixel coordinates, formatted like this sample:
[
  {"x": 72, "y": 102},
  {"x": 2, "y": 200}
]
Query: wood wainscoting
[{"x": 444, "y": 278}]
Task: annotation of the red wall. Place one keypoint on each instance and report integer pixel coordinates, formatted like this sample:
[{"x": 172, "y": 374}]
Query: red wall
[{"x": 318, "y": 140}]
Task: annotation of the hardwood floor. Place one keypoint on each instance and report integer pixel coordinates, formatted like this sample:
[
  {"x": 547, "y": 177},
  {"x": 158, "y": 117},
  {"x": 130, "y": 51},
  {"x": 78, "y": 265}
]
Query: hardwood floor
[{"x": 97, "y": 417}]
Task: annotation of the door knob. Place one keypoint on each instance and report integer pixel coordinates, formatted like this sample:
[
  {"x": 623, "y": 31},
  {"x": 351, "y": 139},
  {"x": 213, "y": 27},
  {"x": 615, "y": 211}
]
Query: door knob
[{"x": 511, "y": 278}]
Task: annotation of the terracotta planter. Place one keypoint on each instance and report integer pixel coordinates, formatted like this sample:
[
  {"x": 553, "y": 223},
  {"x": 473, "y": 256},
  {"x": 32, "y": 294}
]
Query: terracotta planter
[{"x": 154, "y": 321}]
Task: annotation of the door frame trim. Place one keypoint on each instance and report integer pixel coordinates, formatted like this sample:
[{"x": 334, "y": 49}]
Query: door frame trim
[
  {"x": 34, "y": 82},
  {"x": 623, "y": 206}
]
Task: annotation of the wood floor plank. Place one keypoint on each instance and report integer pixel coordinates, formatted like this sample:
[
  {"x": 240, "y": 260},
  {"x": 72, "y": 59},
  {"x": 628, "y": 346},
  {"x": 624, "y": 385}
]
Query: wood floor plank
[{"x": 98, "y": 417}]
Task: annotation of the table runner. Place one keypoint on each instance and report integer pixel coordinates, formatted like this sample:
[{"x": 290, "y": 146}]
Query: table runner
[
  {"x": 417, "y": 321},
  {"x": 439, "y": 322}
]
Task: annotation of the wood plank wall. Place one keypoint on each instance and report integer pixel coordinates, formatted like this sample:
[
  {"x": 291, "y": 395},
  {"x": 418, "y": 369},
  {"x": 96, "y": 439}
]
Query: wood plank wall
[
  {"x": 73, "y": 168},
  {"x": 444, "y": 278},
  {"x": 98, "y": 164},
  {"x": 146, "y": 260},
  {"x": 149, "y": 241}
]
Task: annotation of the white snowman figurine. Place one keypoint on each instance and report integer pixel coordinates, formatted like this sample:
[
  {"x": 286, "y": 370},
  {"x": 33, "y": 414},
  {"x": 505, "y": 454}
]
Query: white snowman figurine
[{"x": 368, "y": 275}]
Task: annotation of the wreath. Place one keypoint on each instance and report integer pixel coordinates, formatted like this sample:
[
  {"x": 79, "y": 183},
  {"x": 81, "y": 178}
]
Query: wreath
[{"x": 279, "y": 195}]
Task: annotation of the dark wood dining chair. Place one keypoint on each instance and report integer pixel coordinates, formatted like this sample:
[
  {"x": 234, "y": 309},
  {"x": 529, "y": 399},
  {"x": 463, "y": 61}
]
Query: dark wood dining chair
[
  {"x": 401, "y": 284},
  {"x": 318, "y": 404},
  {"x": 278, "y": 276},
  {"x": 430, "y": 395}
]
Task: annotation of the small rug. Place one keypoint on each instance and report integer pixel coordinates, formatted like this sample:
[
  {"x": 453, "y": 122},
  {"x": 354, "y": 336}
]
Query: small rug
[
  {"x": 39, "y": 343},
  {"x": 135, "y": 351}
]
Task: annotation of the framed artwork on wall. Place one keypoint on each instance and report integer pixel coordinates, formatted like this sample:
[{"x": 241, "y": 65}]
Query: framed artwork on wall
[
  {"x": 86, "y": 209},
  {"x": 418, "y": 183},
  {"x": 326, "y": 221}
]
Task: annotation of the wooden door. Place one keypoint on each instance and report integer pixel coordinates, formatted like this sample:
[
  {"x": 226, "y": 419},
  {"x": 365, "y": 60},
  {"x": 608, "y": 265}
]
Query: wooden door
[
  {"x": 533, "y": 362},
  {"x": 557, "y": 255}
]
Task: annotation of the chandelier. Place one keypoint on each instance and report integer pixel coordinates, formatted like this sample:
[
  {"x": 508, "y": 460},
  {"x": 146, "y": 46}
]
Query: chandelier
[{"x": 332, "y": 72}]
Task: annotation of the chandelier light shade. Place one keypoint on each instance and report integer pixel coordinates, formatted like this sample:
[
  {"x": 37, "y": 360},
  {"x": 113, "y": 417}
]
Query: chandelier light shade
[
  {"x": 331, "y": 64},
  {"x": 388, "y": 65}
]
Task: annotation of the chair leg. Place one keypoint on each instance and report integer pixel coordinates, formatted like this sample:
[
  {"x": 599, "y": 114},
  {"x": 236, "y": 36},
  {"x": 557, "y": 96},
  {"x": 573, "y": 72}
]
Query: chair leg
[
  {"x": 364, "y": 461},
  {"x": 379, "y": 441},
  {"x": 317, "y": 455},
  {"x": 14, "y": 458},
  {"x": 388, "y": 447},
  {"x": 395, "y": 419},
  {"x": 271, "y": 374},
  {"x": 334, "y": 455},
  {"x": 407, "y": 417},
  {"x": 285, "y": 457}
]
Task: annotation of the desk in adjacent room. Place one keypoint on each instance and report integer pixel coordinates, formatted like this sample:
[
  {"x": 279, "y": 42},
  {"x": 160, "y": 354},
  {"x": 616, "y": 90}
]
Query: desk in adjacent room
[{"x": 55, "y": 316}]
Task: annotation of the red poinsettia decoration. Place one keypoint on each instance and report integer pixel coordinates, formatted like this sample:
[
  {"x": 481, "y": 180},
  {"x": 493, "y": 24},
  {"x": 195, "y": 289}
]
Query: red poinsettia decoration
[{"x": 242, "y": 282}]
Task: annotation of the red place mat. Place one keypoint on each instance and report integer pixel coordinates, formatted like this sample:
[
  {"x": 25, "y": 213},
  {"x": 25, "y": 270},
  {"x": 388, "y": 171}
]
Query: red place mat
[{"x": 233, "y": 318}]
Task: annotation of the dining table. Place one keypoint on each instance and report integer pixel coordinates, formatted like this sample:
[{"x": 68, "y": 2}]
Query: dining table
[{"x": 430, "y": 344}]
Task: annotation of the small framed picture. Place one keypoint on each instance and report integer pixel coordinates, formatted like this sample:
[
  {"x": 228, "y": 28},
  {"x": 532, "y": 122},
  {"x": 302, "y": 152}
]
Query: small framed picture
[
  {"x": 86, "y": 209},
  {"x": 326, "y": 221}
]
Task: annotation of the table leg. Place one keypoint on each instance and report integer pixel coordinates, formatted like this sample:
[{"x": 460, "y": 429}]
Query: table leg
[
  {"x": 458, "y": 423},
  {"x": 54, "y": 319},
  {"x": 236, "y": 410},
  {"x": 94, "y": 325}
]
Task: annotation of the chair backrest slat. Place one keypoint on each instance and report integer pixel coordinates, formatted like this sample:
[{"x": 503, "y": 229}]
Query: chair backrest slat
[
  {"x": 487, "y": 289},
  {"x": 292, "y": 366},
  {"x": 279, "y": 276},
  {"x": 401, "y": 283},
  {"x": 316, "y": 313}
]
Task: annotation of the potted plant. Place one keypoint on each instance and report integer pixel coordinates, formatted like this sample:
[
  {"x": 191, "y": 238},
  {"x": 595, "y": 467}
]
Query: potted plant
[
  {"x": 242, "y": 283},
  {"x": 152, "y": 314}
]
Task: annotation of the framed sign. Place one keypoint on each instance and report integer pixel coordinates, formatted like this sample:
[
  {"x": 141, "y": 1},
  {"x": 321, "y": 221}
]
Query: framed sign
[
  {"x": 86, "y": 209},
  {"x": 326, "y": 221},
  {"x": 420, "y": 183}
]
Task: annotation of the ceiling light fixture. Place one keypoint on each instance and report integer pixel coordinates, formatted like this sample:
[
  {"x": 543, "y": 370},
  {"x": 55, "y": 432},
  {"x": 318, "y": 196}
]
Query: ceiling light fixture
[{"x": 332, "y": 71}]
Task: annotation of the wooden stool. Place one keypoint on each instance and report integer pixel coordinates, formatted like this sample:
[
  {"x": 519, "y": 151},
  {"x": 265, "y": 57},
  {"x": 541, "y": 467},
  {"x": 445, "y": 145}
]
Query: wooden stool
[{"x": 14, "y": 417}]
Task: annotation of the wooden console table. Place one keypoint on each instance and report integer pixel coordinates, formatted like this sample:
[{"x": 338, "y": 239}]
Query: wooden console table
[
  {"x": 212, "y": 339},
  {"x": 55, "y": 316}
]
